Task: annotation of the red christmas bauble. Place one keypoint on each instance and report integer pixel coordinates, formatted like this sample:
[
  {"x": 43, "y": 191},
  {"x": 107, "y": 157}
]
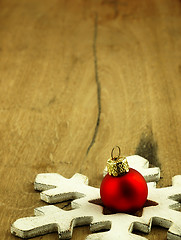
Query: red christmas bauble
[{"x": 125, "y": 193}]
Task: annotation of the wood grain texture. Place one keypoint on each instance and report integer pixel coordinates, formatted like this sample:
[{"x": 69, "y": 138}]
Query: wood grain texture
[{"x": 77, "y": 78}]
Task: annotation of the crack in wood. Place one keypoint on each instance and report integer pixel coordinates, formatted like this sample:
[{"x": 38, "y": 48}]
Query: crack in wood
[{"x": 97, "y": 83}]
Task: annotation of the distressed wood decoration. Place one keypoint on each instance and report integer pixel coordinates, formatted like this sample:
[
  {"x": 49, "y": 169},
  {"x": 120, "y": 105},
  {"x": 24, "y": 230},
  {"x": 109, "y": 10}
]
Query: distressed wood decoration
[{"x": 55, "y": 188}]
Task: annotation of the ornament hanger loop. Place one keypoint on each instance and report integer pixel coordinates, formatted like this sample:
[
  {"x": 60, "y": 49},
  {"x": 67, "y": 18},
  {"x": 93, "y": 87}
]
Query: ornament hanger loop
[{"x": 119, "y": 152}]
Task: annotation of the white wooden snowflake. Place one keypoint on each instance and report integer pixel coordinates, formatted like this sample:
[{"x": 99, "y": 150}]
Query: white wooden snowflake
[{"x": 55, "y": 188}]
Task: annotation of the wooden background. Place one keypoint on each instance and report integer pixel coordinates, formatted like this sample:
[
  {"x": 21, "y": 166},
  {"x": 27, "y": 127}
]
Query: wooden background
[{"x": 77, "y": 78}]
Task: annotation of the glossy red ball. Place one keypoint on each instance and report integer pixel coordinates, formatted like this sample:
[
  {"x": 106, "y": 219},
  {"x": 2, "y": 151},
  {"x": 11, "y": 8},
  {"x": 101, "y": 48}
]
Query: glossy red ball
[{"x": 126, "y": 193}]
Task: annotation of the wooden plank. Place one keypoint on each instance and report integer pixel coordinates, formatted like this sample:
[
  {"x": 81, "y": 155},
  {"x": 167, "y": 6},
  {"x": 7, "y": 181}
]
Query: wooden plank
[{"x": 78, "y": 77}]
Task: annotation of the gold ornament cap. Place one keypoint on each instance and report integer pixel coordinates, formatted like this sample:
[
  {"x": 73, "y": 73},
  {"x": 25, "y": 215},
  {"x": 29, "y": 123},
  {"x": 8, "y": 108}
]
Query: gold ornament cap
[{"x": 117, "y": 165}]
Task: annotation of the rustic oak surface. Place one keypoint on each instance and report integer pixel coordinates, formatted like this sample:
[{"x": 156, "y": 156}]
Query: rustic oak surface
[{"x": 78, "y": 77}]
